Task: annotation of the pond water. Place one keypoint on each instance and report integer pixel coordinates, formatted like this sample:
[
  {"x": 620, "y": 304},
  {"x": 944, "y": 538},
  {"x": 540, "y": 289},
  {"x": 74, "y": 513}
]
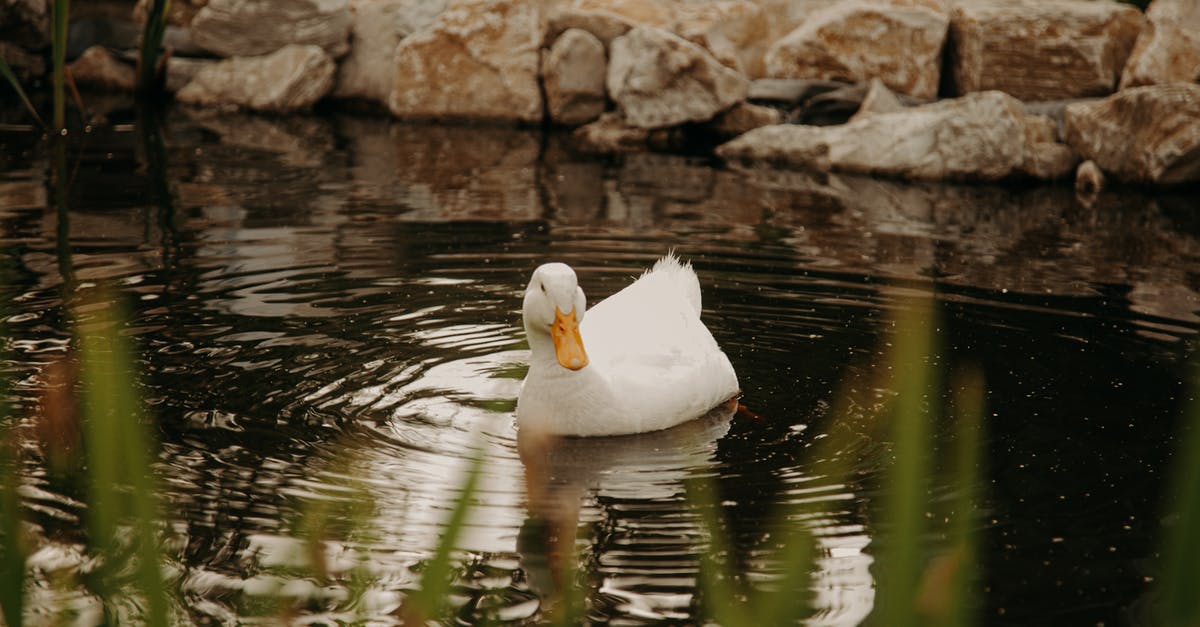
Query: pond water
[{"x": 327, "y": 311}]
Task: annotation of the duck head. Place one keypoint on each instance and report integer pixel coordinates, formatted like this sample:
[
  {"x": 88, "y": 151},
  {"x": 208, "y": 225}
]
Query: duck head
[{"x": 553, "y": 308}]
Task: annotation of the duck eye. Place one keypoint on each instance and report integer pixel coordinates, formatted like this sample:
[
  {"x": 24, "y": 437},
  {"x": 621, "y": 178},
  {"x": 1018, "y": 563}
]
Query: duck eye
[{"x": 542, "y": 286}]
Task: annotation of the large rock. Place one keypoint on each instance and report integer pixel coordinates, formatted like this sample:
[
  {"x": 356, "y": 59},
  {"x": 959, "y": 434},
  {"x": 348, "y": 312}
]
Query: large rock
[
  {"x": 604, "y": 25},
  {"x": 291, "y": 78},
  {"x": 573, "y": 72},
  {"x": 647, "y": 12},
  {"x": 658, "y": 79},
  {"x": 984, "y": 136},
  {"x": 1168, "y": 50},
  {"x": 368, "y": 71},
  {"x": 857, "y": 40},
  {"x": 736, "y": 32},
  {"x": 1041, "y": 49},
  {"x": 479, "y": 60},
  {"x": 25, "y": 23},
  {"x": 99, "y": 67},
  {"x": 247, "y": 28},
  {"x": 1146, "y": 134}
]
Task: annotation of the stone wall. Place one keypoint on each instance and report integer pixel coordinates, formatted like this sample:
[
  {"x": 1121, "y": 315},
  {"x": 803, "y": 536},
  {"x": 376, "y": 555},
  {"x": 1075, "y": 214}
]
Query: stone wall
[{"x": 633, "y": 72}]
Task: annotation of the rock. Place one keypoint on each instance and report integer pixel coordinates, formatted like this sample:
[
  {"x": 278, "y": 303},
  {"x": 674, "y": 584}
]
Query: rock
[
  {"x": 879, "y": 99},
  {"x": 1168, "y": 50},
  {"x": 1145, "y": 134},
  {"x": 99, "y": 67},
  {"x": 856, "y": 40},
  {"x": 788, "y": 90},
  {"x": 368, "y": 71},
  {"x": 1089, "y": 181},
  {"x": 573, "y": 73},
  {"x": 24, "y": 64},
  {"x": 181, "y": 71},
  {"x": 479, "y": 60},
  {"x": 247, "y": 28},
  {"x": 984, "y": 136},
  {"x": 603, "y": 25},
  {"x": 743, "y": 118},
  {"x": 734, "y": 31},
  {"x": 658, "y": 79},
  {"x": 647, "y": 12},
  {"x": 291, "y": 78},
  {"x": 25, "y": 23},
  {"x": 179, "y": 12},
  {"x": 1040, "y": 49},
  {"x": 611, "y": 134}
]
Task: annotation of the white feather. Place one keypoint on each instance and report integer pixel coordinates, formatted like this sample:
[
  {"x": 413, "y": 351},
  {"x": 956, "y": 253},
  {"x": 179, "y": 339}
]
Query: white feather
[{"x": 652, "y": 362}]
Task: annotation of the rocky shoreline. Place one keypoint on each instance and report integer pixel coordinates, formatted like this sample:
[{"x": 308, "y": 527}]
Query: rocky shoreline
[{"x": 968, "y": 90}]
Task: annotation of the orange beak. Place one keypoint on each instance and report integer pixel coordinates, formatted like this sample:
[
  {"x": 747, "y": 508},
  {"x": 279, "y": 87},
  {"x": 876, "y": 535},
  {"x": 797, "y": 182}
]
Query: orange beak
[{"x": 568, "y": 344}]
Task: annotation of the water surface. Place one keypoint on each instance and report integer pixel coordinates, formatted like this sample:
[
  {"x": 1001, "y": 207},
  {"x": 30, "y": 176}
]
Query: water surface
[{"x": 327, "y": 311}]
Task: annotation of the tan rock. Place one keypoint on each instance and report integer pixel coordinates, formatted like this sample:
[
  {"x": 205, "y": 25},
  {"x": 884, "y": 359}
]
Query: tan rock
[
  {"x": 291, "y": 78},
  {"x": 246, "y": 28},
  {"x": 1146, "y": 134},
  {"x": 984, "y": 136},
  {"x": 743, "y": 118},
  {"x": 898, "y": 42},
  {"x": 1089, "y": 181},
  {"x": 648, "y": 12},
  {"x": 479, "y": 60},
  {"x": 179, "y": 12},
  {"x": 603, "y": 25},
  {"x": 1041, "y": 49},
  {"x": 1168, "y": 50},
  {"x": 658, "y": 79},
  {"x": 611, "y": 134},
  {"x": 99, "y": 67},
  {"x": 181, "y": 71},
  {"x": 573, "y": 72},
  {"x": 736, "y": 32},
  {"x": 368, "y": 70}
]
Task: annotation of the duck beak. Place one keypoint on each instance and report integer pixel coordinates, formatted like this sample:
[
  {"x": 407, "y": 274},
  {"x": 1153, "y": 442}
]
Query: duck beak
[{"x": 568, "y": 344}]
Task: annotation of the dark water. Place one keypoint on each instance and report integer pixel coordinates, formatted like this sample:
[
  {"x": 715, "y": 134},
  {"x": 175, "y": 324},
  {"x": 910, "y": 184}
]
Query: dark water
[{"x": 327, "y": 312}]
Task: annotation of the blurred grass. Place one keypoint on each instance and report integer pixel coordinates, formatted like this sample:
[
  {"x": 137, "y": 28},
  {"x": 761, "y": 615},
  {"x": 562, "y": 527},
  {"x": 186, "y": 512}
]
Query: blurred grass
[
  {"x": 1179, "y": 600},
  {"x": 8, "y": 75},
  {"x": 59, "y": 10},
  {"x": 123, "y": 512},
  {"x": 915, "y": 585}
]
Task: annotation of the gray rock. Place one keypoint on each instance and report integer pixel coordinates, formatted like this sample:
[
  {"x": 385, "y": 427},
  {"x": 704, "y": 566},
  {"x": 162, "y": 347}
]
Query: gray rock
[
  {"x": 857, "y": 40},
  {"x": 1168, "y": 50},
  {"x": 985, "y": 136},
  {"x": 247, "y": 28},
  {"x": 879, "y": 99},
  {"x": 181, "y": 71},
  {"x": 1145, "y": 134},
  {"x": 658, "y": 79},
  {"x": 573, "y": 72},
  {"x": 1041, "y": 49},
  {"x": 368, "y": 70},
  {"x": 291, "y": 78}
]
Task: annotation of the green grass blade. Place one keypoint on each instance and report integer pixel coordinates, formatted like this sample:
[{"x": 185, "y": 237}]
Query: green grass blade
[
  {"x": 119, "y": 452},
  {"x": 148, "y": 78},
  {"x": 721, "y": 596},
  {"x": 906, "y": 490},
  {"x": 1179, "y": 605},
  {"x": 429, "y": 601},
  {"x": 7, "y": 72},
  {"x": 58, "y": 39}
]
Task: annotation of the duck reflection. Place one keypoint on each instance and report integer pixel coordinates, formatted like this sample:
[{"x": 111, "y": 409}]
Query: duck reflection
[{"x": 637, "y": 482}]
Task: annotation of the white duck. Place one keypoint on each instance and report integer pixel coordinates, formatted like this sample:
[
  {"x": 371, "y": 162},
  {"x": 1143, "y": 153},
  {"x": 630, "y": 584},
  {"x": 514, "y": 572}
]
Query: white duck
[{"x": 639, "y": 361}]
